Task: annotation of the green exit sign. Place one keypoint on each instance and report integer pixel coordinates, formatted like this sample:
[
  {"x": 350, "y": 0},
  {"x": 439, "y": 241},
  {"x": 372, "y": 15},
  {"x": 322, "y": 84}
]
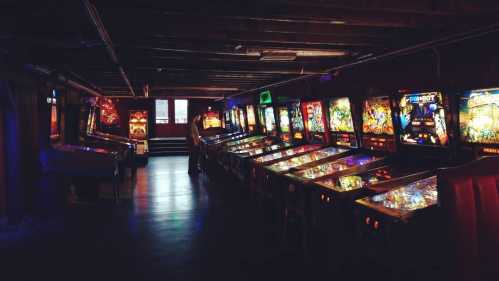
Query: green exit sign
[{"x": 265, "y": 97}]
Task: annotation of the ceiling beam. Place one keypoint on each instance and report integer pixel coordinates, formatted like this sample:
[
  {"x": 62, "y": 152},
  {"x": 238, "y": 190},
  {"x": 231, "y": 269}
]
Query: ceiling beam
[
  {"x": 329, "y": 41},
  {"x": 289, "y": 12},
  {"x": 95, "y": 18}
]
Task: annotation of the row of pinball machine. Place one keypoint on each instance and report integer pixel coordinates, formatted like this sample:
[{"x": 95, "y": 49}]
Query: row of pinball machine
[
  {"x": 95, "y": 155},
  {"x": 361, "y": 170}
]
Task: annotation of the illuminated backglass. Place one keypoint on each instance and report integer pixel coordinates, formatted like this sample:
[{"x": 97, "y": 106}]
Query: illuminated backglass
[
  {"x": 296, "y": 121},
  {"x": 138, "y": 124},
  {"x": 341, "y": 122},
  {"x": 422, "y": 119},
  {"x": 270, "y": 125},
  {"x": 479, "y": 118},
  {"x": 250, "y": 114},
  {"x": 211, "y": 119},
  {"x": 377, "y": 124},
  {"x": 314, "y": 121},
  {"x": 284, "y": 123},
  {"x": 242, "y": 120}
]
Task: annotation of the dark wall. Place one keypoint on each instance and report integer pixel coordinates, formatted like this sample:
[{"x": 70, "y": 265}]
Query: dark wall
[
  {"x": 3, "y": 186},
  {"x": 21, "y": 106},
  {"x": 127, "y": 104},
  {"x": 159, "y": 130},
  {"x": 171, "y": 129}
]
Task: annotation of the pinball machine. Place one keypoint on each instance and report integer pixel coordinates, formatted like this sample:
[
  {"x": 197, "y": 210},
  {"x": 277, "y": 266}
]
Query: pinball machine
[
  {"x": 268, "y": 170},
  {"x": 299, "y": 190},
  {"x": 138, "y": 130},
  {"x": 230, "y": 159},
  {"x": 90, "y": 135},
  {"x": 63, "y": 163},
  {"x": 402, "y": 203},
  {"x": 290, "y": 134}
]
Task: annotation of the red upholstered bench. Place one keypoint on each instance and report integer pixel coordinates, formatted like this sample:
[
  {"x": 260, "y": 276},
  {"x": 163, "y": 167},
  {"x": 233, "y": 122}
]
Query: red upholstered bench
[{"x": 469, "y": 200}]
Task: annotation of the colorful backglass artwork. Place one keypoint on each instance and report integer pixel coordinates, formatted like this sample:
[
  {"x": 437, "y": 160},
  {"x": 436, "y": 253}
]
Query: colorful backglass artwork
[
  {"x": 422, "y": 119},
  {"x": 284, "y": 120},
  {"x": 211, "y": 119},
  {"x": 242, "y": 120},
  {"x": 340, "y": 115},
  {"x": 296, "y": 117},
  {"x": 314, "y": 120},
  {"x": 250, "y": 114},
  {"x": 109, "y": 115},
  {"x": 479, "y": 116},
  {"x": 233, "y": 118},
  {"x": 377, "y": 116},
  {"x": 138, "y": 124},
  {"x": 269, "y": 119}
]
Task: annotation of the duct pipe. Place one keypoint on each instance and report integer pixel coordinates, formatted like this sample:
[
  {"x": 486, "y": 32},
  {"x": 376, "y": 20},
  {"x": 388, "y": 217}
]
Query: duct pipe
[{"x": 61, "y": 78}]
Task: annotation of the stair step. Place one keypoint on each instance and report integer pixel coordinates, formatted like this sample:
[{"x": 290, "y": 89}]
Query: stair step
[
  {"x": 169, "y": 145},
  {"x": 168, "y": 149},
  {"x": 168, "y": 139},
  {"x": 162, "y": 153},
  {"x": 166, "y": 143}
]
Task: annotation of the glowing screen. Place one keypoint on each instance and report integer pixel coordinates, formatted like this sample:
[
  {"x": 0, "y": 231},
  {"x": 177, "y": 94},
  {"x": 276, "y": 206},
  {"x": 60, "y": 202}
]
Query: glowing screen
[
  {"x": 211, "y": 119},
  {"x": 269, "y": 119},
  {"x": 314, "y": 117},
  {"x": 422, "y": 119},
  {"x": 377, "y": 116},
  {"x": 479, "y": 116},
  {"x": 340, "y": 115},
  {"x": 296, "y": 117},
  {"x": 242, "y": 121},
  {"x": 250, "y": 114},
  {"x": 284, "y": 119}
]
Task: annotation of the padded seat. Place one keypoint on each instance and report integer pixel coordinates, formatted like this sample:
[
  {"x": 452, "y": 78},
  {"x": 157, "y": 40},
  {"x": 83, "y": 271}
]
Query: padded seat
[{"x": 468, "y": 197}]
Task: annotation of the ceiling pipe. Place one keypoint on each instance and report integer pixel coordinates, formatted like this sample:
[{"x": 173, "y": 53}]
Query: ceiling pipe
[
  {"x": 63, "y": 79},
  {"x": 104, "y": 35},
  {"x": 447, "y": 40}
]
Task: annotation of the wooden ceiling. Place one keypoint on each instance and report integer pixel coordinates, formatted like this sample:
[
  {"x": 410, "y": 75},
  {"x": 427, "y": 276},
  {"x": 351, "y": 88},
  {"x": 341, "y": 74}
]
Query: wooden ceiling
[{"x": 218, "y": 48}]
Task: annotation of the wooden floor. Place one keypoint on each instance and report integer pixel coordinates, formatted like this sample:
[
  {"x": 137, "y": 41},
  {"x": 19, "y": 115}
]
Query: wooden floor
[{"x": 175, "y": 227}]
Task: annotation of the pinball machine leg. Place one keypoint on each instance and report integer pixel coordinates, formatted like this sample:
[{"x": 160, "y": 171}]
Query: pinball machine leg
[
  {"x": 305, "y": 237},
  {"x": 116, "y": 184},
  {"x": 284, "y": 234}
]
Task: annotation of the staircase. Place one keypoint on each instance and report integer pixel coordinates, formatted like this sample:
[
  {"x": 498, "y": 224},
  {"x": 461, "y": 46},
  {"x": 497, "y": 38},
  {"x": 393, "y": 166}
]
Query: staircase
[{"x": 168, "y": 146}]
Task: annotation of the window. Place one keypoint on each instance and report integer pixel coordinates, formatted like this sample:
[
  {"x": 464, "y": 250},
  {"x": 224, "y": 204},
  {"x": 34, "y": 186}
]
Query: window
[
  {"x": 161, "y": 111},
  {"x": 181, "y": 111}
]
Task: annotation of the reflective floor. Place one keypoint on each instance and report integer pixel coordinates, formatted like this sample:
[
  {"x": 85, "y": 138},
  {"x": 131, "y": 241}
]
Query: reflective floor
[
  {"x": 175, "y": 227},
  {"x": 172, "y": 226}
]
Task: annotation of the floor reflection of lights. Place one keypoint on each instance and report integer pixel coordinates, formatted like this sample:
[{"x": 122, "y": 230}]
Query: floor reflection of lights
[{"x": 166, "y": 193}]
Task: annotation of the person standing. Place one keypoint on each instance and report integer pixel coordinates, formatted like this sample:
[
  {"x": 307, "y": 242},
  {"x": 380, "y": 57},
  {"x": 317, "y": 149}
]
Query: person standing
[{"x": 194, "y": 145}]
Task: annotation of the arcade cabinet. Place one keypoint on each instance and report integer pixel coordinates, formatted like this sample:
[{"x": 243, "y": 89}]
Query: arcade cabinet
[
  {"x": 74, "y": 164},
  {"x": 138, "y": 124}
]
